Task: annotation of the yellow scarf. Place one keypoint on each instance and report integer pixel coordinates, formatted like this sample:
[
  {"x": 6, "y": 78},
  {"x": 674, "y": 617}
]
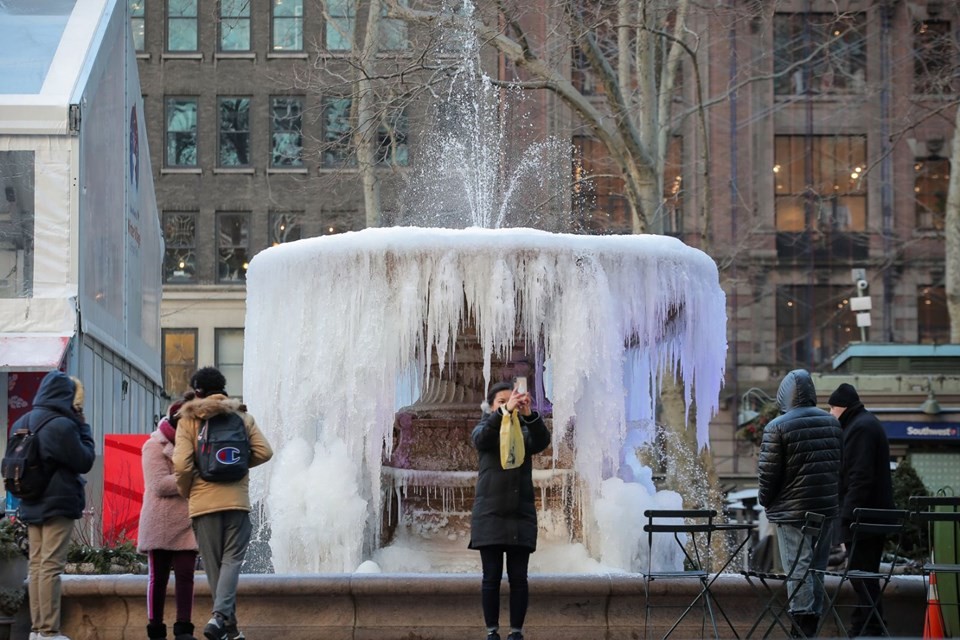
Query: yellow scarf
[{"x": 511, "y": 441}]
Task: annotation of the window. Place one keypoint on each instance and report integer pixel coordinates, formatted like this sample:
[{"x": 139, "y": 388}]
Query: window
[
  {"x": 341, "y": 22},
  {"x": 137, "y": 25},
  {"x": 18, "y": 190},
  {"x": 286, "y": 132},
  {"x": 285, "y": 227},
  {"x": 813, "y": 323},
  {"x": 181, "y": 118},
  {"x": 287, "y": 33},
  {"x": 393, "y": 31},
  {"x": 234, "y": 132},
  {"x": 180, "y": 240},
  {"x": 933, "y": 319},
  {"x": 179, "y": 359},
  {"x": 182, "y": 25},
  {"x": 337, "y": 133},
  {"x": 934, "y": 53},
  {"x": 822, "y": 174},
  {"x": 930, "y": 183},
  {"x": 229, "y": 358},
  {"x": 234, "y": 25},
  {"x": 673, "y": 188},
  {"x": 233, "y": 247},
  {"x": 819, "y": 53},
  {"x": 392, "y": 139}
]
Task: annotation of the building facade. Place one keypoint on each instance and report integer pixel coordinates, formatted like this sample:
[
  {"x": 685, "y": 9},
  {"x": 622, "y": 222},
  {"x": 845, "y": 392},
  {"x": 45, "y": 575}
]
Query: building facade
[{"x": 824, "y": 162}]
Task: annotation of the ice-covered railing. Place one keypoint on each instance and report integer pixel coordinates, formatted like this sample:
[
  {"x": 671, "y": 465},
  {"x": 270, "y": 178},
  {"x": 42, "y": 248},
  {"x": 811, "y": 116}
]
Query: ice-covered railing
[{"x": 335, "y": 323}]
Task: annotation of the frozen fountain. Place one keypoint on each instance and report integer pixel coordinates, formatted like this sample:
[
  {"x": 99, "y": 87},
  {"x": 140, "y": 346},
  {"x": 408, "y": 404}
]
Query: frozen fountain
[{"x": 368, "y": 354}]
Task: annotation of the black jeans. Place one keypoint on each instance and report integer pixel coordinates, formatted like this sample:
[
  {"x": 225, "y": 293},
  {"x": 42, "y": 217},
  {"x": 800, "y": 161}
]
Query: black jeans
[
  {"x": 492, "y": 560},
  {"x": 866, "y": 557}
]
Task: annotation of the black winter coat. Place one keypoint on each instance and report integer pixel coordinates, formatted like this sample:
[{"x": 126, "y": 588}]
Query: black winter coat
[
  {"x": 799, "y": 464},
  {"x": 504, "y": 511},
  {"x": 66, "y": 446},
  {"x": 865, "y": 480}
]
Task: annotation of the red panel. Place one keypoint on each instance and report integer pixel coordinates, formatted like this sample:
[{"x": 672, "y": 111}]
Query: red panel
[
  {"x": 122, "y": 487},
  {"x": 21, "y": 390}
]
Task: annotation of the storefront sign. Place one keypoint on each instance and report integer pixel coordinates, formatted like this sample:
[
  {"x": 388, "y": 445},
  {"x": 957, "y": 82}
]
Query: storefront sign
[{"x": 922, "y": 430}]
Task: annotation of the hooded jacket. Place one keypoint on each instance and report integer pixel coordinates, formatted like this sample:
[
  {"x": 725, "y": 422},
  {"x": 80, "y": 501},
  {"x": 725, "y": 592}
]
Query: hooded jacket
[
  {"x": 164, "y": 519},
  {"x": 865, "y": 480},
  {"x": 504, "y": 509},
  {"x": 800, "y": 455},
  {"x": 209, "y": 497},
  {"x": 66, "y": 447}
]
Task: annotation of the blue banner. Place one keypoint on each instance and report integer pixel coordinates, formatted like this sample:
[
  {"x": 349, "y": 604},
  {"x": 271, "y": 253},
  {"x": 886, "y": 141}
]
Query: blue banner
[{"x": 922, "y": 430}]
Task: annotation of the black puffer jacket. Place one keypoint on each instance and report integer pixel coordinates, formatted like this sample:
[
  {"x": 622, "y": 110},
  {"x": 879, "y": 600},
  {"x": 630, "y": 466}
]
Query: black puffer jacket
[
  {"x": 799, "y": 465},
  {"x": 865, "y": 480},
  {"x": 504, "y": 511},
  {"x": 66, "y": 446}
]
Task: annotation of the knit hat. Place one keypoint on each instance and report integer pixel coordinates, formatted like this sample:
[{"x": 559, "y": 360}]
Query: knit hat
[
  {"x": 168, "y": 430},
  {"x": 845, "y": 396}
]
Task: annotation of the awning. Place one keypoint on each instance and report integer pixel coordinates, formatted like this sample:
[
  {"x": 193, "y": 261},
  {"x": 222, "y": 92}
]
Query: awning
[{"x": 31, "y": 352}]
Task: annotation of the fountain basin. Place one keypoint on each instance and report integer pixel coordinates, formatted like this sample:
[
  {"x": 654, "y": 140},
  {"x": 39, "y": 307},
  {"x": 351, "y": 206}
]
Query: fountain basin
[{"x": 438, "y": 607}]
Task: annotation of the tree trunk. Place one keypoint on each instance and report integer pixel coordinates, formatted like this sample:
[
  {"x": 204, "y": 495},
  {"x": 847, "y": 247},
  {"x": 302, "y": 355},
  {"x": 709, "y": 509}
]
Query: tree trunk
[
  {"x": 951, "y": 230},
  {"x": 368, "y": 120}
]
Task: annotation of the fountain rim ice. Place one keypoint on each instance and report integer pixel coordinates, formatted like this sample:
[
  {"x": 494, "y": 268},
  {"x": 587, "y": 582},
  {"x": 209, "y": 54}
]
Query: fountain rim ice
[{"x": 348, "y": 315}]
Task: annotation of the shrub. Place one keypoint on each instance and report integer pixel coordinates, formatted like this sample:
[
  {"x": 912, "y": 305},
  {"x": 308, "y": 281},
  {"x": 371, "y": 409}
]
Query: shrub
[{"x": 906, "y": 483}]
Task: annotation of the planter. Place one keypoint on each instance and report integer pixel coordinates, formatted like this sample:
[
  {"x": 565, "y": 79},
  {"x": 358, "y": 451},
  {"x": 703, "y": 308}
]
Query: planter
[{"x": 13, "y": 571}]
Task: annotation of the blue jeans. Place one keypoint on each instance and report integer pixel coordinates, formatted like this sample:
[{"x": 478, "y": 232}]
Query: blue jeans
[{"x": 808, "y": 593}]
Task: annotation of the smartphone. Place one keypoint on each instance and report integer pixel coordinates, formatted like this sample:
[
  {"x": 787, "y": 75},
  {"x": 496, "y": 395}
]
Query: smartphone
[{"x": 522, "y": 384}]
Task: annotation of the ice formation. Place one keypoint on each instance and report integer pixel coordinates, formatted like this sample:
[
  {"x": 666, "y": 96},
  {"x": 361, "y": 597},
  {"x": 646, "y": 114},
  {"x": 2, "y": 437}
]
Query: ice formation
[{"x": 335, "y": 325}]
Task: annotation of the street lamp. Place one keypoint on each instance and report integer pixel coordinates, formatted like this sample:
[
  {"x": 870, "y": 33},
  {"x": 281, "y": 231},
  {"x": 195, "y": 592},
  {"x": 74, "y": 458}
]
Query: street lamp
[{"x": 752, "y": 397}]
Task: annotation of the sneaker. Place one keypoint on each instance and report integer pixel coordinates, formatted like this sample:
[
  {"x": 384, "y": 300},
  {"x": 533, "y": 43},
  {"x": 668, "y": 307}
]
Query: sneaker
[
  {"x": 515, "y": 635},
  {"x": 233, "y": 633},
  {"x": 56, "y": 636},
  {"x": 215, "y": 629},
  {"x": 493, "y": 635}
]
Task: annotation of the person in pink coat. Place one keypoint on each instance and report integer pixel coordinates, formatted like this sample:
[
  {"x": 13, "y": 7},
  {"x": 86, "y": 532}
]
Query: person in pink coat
[{"x": 165, "y": 533}]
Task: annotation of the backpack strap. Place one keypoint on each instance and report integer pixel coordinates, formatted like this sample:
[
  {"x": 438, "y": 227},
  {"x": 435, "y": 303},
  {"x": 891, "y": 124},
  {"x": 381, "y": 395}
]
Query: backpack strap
[{"x": 44, "y": 423}]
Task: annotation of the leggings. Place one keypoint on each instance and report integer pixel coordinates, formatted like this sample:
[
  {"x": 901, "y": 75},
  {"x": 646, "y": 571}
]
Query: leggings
[
  {"x": 160, "y": 562},
  {"x": 492, "y": 560}
]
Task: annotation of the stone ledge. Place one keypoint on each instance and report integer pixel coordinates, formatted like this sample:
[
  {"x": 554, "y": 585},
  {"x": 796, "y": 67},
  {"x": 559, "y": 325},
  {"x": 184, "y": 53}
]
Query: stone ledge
[{"x": 440, "y": 607}]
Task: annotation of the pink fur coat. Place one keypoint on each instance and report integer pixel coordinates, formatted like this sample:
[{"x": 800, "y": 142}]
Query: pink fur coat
[{"x": 164, "y": 521}]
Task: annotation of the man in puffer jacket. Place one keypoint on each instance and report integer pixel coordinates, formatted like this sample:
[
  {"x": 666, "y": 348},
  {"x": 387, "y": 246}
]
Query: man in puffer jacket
[{"x": 799, "y": 471}]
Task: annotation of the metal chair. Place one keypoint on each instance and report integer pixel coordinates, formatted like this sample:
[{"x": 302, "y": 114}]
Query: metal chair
[
  {"x": 776, "y": 586},
  {"x": 698, "y": 525},
  {"x": 940, "y": 515},
  {"x": 889, "y": 523}
]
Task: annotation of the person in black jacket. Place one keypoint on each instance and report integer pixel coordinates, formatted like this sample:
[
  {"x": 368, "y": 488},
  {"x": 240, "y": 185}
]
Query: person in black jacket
[
  {"x": 504, "y": 519},
  {"x": 799, "y": 471},
  {"x": 865, "y": 481},
  {"x": 67, "y": 449}
]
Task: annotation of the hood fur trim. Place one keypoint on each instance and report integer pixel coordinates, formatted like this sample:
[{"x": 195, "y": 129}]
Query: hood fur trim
[{"x": 203, "y": 408}]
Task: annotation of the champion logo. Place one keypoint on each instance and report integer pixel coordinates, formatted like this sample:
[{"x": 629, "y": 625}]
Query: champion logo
[{"x": 228, "y": 455}]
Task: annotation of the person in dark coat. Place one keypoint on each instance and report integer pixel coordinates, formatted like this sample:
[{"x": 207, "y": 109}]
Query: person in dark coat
[
  {"x": 799, "y": 471},
  {"x": 504, "y": 519},
  {"x": 865, "y": 481},
  {"x": 67, "y": 450}
]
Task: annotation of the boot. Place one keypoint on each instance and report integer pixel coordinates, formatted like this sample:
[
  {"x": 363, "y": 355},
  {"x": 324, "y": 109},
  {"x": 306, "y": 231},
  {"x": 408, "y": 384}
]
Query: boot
[
  {"x": 808, "y": 625},
  {"x": 157, "y": 631},
  {"x": 183, "y": 631}
]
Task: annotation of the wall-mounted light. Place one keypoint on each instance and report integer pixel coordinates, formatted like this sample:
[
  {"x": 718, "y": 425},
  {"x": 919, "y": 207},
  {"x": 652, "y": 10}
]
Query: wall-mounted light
[{"x": 930, "y": 406}]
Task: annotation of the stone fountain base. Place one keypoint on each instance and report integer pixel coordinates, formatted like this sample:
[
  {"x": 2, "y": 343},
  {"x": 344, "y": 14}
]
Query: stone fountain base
[{"x": 436, "y": 607}]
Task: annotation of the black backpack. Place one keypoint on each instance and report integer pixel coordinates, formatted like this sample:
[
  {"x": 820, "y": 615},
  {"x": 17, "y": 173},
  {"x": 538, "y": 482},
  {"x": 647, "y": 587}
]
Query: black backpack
[
  {"x": 223, "y": 448},
  {"x": 24, "y": 474}
]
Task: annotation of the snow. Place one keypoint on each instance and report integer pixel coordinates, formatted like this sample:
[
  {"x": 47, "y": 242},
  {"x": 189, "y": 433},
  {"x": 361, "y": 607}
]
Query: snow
[{"x": 341, "y": 331}]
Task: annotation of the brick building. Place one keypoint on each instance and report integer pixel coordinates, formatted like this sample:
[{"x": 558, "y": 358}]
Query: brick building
[{"x": 826, "y": 152}]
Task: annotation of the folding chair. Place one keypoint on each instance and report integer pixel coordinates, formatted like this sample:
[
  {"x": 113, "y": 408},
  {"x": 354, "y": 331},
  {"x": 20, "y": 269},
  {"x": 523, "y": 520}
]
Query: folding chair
[
  {"x": 776, "y": 586},
  {"x": 941, "y": 517},
  {"x": 867, "y": 523},
  {"x": 698, "y": 525}
]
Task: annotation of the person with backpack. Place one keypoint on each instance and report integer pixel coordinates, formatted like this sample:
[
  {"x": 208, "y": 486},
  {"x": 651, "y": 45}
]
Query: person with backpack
[
  {"x": 217, "y": 442},
  {"x": 66, "y": 451},
  {"x": 165, "y": 532}
]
